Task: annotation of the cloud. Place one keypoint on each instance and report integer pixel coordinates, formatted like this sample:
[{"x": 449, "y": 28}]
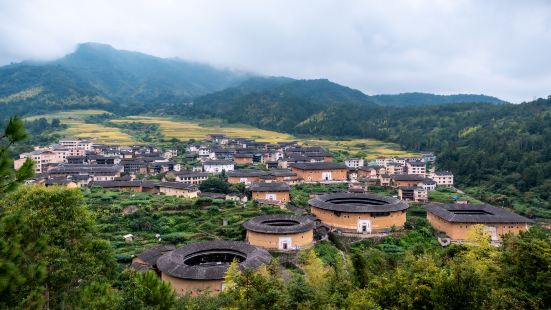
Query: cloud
[{"x": 493, "y": 47}]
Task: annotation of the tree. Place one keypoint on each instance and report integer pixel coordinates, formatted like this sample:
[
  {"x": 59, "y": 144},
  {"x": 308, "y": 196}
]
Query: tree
[
  {"x": 526, "y": 264},
  {"x": 214, "y": 184},
  {"x": 9, "y": 177},
  {"x": 68, "y": 256},
  {"x": 145, "y": 290}
]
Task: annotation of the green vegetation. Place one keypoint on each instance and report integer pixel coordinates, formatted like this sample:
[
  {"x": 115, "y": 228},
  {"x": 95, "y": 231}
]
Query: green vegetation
[
  {"x": 300, "y": 194},
  {"x": 449, "y": 195},
  {"x": 407, "y": 272},
  {"x": 10, "y": 178},
  {"x": 177, "y": 220}
]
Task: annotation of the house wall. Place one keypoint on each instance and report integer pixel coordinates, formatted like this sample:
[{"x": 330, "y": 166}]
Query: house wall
[
  {"x": 243, "y": 160},
  {"x": 193, "y": 287},
  {"x": 271, "y": 241},
  {"x": 316, "y": 175},
  {"x": 349, "y": 221},
  {"x": 280, "y": 196},
  {"x": 235, "y": 180},
  {"x": 459, "y": 231},
  {"x": 178, "y": 192},
  {"x": 405, "y": 183}
]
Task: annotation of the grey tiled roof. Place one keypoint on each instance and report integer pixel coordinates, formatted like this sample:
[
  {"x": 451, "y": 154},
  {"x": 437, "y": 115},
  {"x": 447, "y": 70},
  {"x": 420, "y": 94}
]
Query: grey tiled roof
[
  {"x": 246, "y": 173},
  {"x": 357, "y": 203},
  {"x": 173, "y": 263},
  {"x": 269, "y": 224},
  {"x": 269, "y": 187},
  {"x": 474, "y": 213},
  {"x": 319, "y": 166}
]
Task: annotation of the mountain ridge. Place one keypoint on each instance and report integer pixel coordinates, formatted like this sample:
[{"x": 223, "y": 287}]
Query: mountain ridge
[{"x": 99, "y": 75}]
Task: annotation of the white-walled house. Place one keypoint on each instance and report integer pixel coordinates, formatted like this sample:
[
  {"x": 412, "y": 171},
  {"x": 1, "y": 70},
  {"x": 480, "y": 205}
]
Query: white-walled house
[{"x": 217, "y": 166}]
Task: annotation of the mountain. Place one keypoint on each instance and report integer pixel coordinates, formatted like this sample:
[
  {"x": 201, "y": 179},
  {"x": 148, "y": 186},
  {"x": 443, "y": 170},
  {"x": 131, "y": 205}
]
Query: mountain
[
  {"x": 276, "y": 103},
  {"x": 99, "y": 75},
  {"x": 418, "y": 99}
]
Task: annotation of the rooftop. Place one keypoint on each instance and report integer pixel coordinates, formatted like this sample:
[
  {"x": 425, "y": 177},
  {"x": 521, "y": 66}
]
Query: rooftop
[
  {"x": 218, "y": 162},
  {"x": 279, "y": 224},
  {"x": 210, "y": 260},
  {"x": 474, "y": 213},
  {"x": 246, "y": 173},
  {"x": 357, "y": 203},
  {"x": 269, "y": 187},
  {"x": 319, "y": 166}
]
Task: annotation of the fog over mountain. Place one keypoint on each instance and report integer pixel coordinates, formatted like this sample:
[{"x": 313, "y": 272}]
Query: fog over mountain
[{"x": 492, "y": 47}]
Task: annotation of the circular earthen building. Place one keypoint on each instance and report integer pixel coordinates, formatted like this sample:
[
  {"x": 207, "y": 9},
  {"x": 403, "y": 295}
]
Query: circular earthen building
[
  {"x": 359, "y": 212},
  {"x": 280, "y": 231},
  {"x": 200, "y": 267}
]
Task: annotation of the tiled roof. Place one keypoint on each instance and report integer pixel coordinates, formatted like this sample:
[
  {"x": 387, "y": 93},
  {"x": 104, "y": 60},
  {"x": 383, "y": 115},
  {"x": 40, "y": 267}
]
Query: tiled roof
[{"x": 474, "y": 213}]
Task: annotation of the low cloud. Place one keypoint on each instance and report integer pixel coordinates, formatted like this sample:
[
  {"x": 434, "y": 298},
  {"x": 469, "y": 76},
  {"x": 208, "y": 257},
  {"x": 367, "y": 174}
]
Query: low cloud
[{"x": 495, "y": 47}]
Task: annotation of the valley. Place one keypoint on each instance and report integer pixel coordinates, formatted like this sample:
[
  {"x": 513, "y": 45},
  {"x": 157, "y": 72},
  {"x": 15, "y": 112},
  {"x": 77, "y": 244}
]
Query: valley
[{"x": 185, "y": 130}]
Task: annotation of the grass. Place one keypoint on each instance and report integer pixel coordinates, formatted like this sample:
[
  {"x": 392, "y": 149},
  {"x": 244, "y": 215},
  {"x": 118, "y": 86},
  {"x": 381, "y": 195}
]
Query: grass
[{"x": 448, "y": 195}]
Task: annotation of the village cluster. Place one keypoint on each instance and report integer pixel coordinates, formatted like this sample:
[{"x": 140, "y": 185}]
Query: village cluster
[{"x": 268, "y": 171}]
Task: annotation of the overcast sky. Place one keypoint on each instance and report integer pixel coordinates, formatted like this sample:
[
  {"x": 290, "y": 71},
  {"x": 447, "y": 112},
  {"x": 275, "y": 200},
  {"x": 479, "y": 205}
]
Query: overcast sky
[{"x": 500, "y": 48}]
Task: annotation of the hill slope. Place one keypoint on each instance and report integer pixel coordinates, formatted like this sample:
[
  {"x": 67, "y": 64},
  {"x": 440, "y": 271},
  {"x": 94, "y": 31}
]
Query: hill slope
[
  {"x": 418, "y": 99},
  {"x": 276, "y": 103},
  {"x": 97, "y": 74}
]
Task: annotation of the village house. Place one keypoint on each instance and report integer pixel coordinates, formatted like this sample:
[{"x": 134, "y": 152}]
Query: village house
[
  {"x": 76, "y": 143},
  {"x": 354, "y": 162},
  {"x": 190, "y": 177},
  {"x": 218, "y": 138},
  {"x": 177, "y": 189},
  {"x": 246, "y": 176},
  {"x": 456, "y": 220},
  {"x": 442, "y": 178},
  {"x": 217, "y": 166},
  {"x": 96, "y": 172},
  {"x": 40, "y": 159},
  {"x": 416, "y": 167},
  {"x": 385, "y": 180},
  {"x": 428, "y": 184},
  {"x": 284, "y": 175},
  {"x": 399, "y": 180},
  {"x": 125, "y": 186},
  {"x": 394, "y": 168},
  {"x": 65, "y": 182},
  {"x": 372, "y": 172},
  {"x": 273, "y": 191},
  {"x": 321, "y": 172},
  {"x": 134, "y": 166},
  {"x": 413, "y": 193},
  {"x": 243, "y": 158}
]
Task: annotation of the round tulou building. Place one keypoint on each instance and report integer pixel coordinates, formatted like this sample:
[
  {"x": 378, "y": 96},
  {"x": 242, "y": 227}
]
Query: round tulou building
[
  {"x": 280, "y": 231},
  {"x": 359, "y": 212},
  {"x": 200, "y": 267}
]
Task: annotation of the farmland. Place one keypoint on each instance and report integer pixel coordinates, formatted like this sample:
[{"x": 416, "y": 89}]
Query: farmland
[
  {"x": 80, "y": 129},
  {"x": 187, "y": 129}
]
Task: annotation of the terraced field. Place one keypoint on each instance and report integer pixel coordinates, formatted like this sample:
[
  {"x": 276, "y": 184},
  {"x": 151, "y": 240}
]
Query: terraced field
[
  {"x": 186, "y": 130},
  {"x": 78, "y": 128}
]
